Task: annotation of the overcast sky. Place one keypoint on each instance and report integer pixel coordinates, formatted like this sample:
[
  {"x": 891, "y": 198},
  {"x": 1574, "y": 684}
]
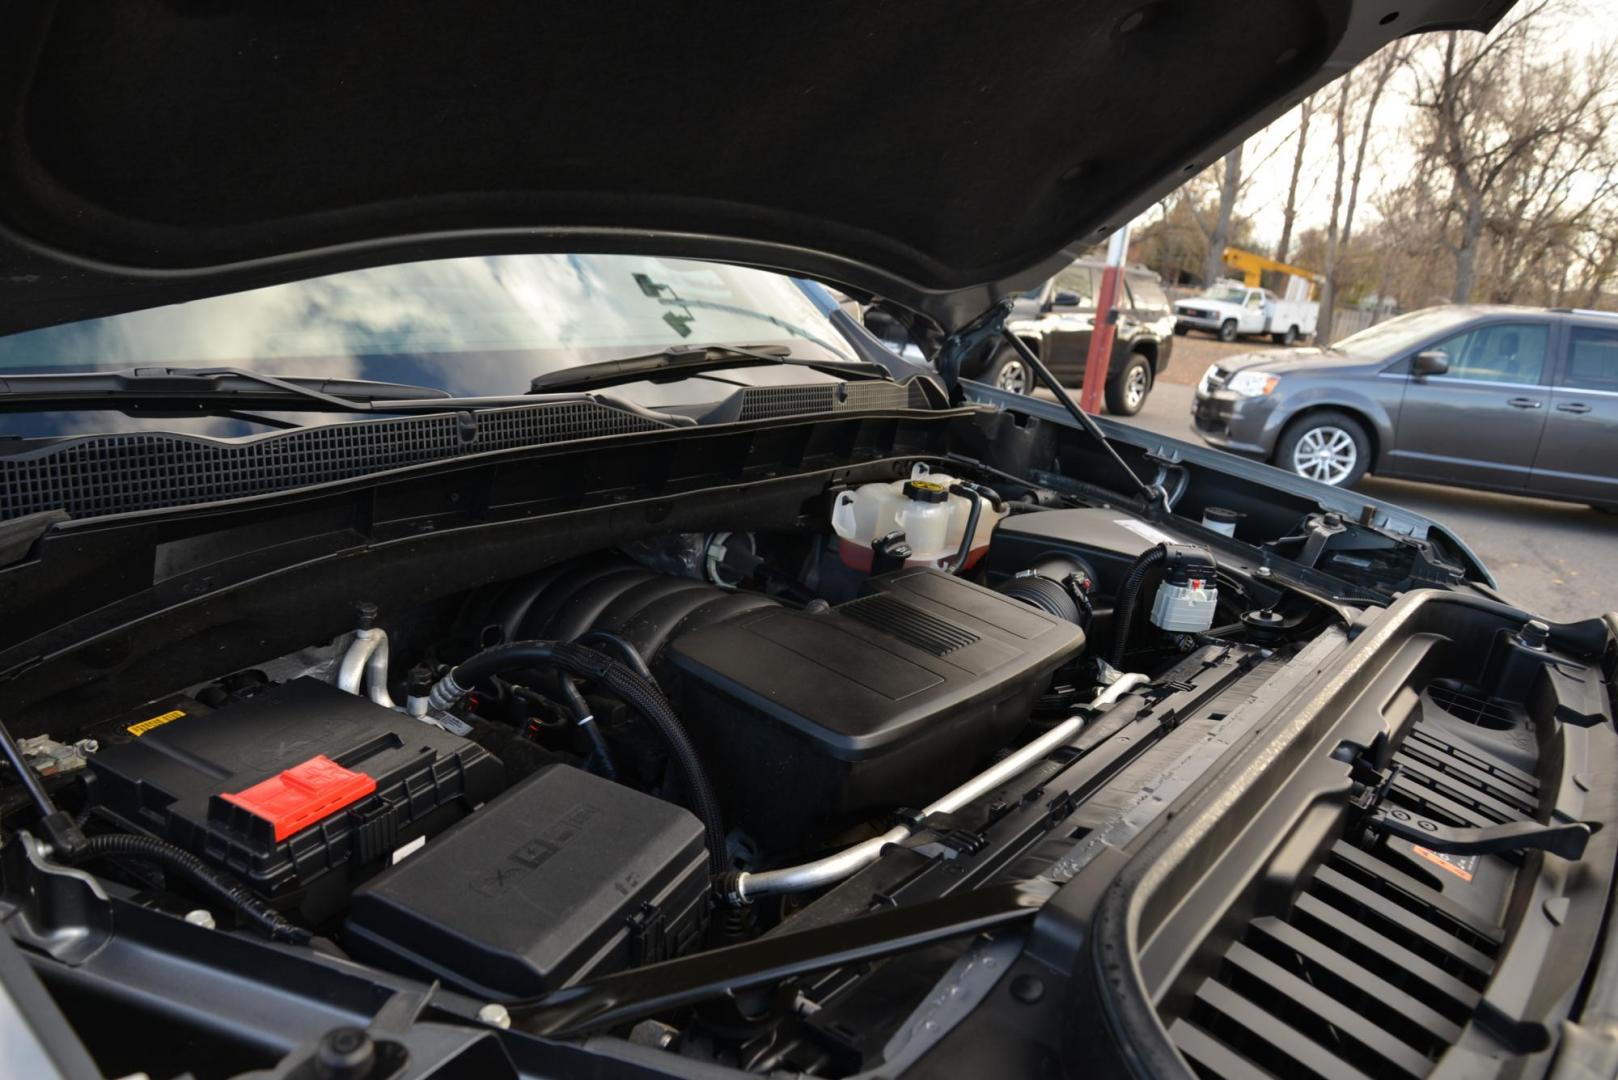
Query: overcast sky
[{"x": 1387, "y": 160}]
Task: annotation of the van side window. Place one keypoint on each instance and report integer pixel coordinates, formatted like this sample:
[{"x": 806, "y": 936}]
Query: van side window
[
  {"x": 1502, "y": 352},
  {"x": 1592, "y": 360}
]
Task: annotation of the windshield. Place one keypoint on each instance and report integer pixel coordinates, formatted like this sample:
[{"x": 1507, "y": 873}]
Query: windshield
[
  {"x": 1230, "y": 294},
  {"x": 1388, "y": 339},
  {"x": 473, "y": 326}
]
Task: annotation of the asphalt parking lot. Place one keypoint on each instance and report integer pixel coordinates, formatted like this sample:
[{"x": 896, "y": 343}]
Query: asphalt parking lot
[{"x": 1556, "y": 559}]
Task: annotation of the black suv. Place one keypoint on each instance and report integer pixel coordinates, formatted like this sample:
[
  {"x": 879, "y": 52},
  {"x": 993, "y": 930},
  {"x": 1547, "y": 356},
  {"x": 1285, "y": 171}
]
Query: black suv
[{"x": 1056, "y": 319}]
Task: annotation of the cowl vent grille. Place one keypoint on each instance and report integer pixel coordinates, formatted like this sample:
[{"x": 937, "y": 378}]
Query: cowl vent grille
[
  {"x": 111, "y": 474},
  {"x": 119, "y": 473},
  {"x": 765, "y": 402}
]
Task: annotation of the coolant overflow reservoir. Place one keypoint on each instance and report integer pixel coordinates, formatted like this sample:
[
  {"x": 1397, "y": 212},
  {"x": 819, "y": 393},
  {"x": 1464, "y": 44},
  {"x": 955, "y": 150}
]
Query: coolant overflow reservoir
[
  {"x": 925, "y": 519},
  {"x": 863, "y": 515},
  {"x": 1187, "y": 597}
]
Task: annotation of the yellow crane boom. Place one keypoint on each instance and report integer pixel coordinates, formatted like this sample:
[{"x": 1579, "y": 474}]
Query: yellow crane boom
[{"x": 1250, "y": 264}]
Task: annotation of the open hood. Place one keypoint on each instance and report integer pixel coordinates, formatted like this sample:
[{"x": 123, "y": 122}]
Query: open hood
[{"x": 937, "y": 155}]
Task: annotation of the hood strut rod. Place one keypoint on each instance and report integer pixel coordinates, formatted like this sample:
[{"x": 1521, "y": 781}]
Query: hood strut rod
[{"x": 1154, "y": 493}]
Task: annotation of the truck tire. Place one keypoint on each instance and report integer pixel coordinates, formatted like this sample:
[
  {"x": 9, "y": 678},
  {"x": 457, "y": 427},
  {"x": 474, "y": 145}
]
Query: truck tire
[
  {"x": 1181, "y": 328},
  {"x": 1127, "y": 390},
  {"x": 1331, "y": 447},
  {"x": 1006, "y": 371},
  {"x": 1227, "y": 330},
  {"x": 1290, "y": 337}
]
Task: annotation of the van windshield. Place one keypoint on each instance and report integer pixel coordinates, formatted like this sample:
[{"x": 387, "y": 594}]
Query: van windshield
[{"x": 1385, "y": 340}]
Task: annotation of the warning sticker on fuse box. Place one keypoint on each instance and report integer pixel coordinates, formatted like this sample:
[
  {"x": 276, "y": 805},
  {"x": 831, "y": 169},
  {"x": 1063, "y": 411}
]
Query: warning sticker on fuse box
[
  {"x": 1461, "y": 866},
  {"x": 154, "y": 722}
]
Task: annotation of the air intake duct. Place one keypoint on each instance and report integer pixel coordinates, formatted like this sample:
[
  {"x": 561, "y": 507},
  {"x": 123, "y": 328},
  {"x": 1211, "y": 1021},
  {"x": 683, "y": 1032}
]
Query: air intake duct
[{"x": 1058, "y": 586}]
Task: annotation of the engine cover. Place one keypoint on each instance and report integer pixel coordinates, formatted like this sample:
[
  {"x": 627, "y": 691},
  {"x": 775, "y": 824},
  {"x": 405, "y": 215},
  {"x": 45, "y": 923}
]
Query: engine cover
[{"x": 810, "y": 720}]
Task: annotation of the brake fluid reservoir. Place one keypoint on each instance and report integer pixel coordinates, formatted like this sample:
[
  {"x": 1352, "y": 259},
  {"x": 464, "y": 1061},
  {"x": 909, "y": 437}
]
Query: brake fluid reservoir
[{"x": 925, "y": 519}]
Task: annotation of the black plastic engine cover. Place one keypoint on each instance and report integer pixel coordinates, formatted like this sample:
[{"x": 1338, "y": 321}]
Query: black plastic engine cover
[{"x": 811, "y": 720}]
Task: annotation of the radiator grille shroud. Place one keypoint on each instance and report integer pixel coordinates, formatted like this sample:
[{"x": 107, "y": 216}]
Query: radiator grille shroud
[{"x": 1373, "y": 971}]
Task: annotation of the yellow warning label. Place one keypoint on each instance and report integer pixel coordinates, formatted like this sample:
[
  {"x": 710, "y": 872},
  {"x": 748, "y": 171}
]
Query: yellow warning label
[{"x": 157, "y": 721}]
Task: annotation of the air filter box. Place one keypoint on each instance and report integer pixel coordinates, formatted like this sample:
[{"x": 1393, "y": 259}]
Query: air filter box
[
  {"x": 811, "y": 720},
  {"x": 564, "y": 877},
  {"x": 1106, "y": 542},
  {"x": 300, "y": 790}
]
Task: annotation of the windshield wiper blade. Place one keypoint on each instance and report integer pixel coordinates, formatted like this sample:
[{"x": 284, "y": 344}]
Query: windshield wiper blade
[
  {"x": 230, "y": 389},
  {"x": 688, "y": 358},
  {"x": 225, "y": 384}
]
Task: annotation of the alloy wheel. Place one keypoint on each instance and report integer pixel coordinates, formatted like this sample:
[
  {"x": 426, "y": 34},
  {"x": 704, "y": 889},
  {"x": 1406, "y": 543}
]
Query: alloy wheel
[
  {"x": 1135, "y": 387},
  {"x": 1326, "y": 453},
  {"x": 1013, "y": 377}
]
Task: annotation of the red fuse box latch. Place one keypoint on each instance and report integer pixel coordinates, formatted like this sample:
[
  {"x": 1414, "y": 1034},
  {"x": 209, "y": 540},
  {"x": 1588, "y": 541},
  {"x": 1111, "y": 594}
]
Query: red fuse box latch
[{"x": 302, "y": 795}]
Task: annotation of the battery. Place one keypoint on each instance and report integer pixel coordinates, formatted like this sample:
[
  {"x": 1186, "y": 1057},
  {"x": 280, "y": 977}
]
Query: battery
[{"x": 301, "y": 790}]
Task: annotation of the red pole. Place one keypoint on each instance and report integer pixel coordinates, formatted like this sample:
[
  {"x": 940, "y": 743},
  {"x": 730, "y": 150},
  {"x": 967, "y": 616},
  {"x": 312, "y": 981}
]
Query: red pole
[{"x": 1099, "y": 358}]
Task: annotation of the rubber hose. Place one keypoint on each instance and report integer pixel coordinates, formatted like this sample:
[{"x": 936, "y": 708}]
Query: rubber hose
[
  {"x": 1123, "y": 609},
  {"x": 620, "y": 645},
  {"x": 592, "y": 730},
  {"x": 214, "y": 882},
  {"x": 971, "y": 531},
  {"x": 630, "y": 687}
]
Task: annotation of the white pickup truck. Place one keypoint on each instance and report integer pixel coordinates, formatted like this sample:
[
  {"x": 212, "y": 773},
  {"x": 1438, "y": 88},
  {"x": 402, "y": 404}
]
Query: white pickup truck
[{"x": 1231, "y": 309}]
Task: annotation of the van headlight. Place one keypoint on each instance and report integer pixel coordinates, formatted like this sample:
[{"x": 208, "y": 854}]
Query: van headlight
[{"x": 1252, "y": 383}]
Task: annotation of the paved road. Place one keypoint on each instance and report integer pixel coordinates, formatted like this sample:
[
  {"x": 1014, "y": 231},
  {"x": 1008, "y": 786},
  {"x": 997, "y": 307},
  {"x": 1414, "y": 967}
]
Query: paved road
[{"x": 1555, "y": 559}]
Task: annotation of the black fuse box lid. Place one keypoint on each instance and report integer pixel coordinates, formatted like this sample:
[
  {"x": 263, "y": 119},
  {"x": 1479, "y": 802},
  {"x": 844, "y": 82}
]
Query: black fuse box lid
[
  {"x": 563, "y": 877},
  {"x": 167, "y": 774}
]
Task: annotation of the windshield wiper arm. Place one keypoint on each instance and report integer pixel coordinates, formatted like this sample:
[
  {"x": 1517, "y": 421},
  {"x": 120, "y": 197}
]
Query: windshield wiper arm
[
  {"x": 216, "y": 383},
  {"x": 688, "y": 358}
]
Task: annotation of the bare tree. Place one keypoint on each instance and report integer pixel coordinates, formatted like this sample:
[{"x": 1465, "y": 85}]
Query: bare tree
[
  {"x": 1289, "y": 214},
  {"x": 1328, "y": 294},
  {"x": 1388, "y": 61},
  {"x": 1493, "y": 107},
  {"x": 1230, "y": 185}
]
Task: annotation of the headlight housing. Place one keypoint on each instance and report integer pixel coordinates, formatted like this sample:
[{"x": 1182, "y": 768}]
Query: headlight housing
[{"x": 1252, "y": 383}]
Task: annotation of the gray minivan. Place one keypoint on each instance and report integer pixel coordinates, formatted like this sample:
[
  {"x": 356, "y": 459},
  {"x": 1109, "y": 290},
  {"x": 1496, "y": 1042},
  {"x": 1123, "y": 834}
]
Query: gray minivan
[{"x": 1511, "y": 399}]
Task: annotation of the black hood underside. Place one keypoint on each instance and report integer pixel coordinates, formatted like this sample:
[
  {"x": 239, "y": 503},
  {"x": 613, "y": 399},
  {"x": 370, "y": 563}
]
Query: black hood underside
[{"x": 936, "y": 154}]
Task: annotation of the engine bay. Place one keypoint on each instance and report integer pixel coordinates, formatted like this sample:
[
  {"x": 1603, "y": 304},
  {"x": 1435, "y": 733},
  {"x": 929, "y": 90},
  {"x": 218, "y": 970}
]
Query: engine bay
[{"x": 689, "y": 742}]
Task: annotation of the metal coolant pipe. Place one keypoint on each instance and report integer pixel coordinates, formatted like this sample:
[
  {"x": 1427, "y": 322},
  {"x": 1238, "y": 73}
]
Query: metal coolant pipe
[
  {"x": 365, "y": 666},
  {"x": 743, "y": 887}
]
